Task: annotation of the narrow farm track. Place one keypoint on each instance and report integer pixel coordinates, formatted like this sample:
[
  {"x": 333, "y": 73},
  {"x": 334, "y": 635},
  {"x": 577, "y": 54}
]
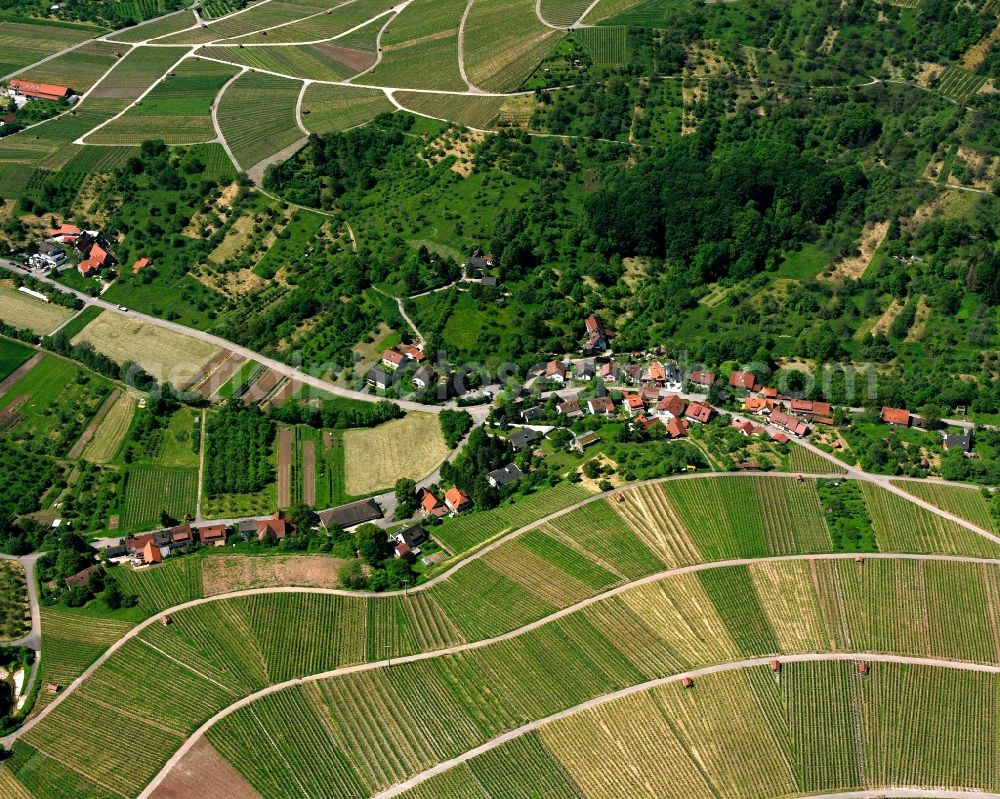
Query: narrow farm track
[
  {"x": 718, "y": 668},
  {"x": 473, "y": 89}
]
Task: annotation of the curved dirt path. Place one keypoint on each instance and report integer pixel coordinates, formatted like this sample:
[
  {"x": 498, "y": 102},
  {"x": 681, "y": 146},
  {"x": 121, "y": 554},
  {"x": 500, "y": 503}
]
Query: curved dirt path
[{"x": 473, "y": 89}]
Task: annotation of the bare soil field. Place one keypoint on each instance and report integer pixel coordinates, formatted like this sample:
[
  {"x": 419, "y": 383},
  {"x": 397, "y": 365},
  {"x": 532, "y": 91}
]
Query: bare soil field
[
  {"x": 223, "y": 573},
  {"x": 88, "y": 433},
  {"x": 206, "y": 370},
  {"x": 22, "y": 311},
  {"x": 409, "y": 447},
  {"x": 260, "y": 388},
  {"x": 285, "y": 439},
  {"x": 220, "y": 376},
  {"x": 204, "y": 772},
  {"x": 164, "y": 354},
  {"x": 309, "y": 473}
]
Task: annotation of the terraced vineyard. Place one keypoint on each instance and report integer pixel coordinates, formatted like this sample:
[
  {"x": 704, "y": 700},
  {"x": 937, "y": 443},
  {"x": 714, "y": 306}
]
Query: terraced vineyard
[
  {"x": 959, "y": 84},
  {"x": 180, "y": 107},
  {"x": 317, "y": 61},
  {"x": 326, "y": 109},
  {"x": 504, "y": 42},
  {"x": 420, "y": 48},
  {"x": 256, "y": 130},
  {"x": 967, "y": 503},
  {"x": 470, "y": 110},
  {"x": 349, "y": 734}
]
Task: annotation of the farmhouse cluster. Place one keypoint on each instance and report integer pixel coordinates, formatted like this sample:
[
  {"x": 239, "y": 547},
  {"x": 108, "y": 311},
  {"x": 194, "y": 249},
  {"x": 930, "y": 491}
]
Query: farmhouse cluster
[{"x": 89, "y": 251}]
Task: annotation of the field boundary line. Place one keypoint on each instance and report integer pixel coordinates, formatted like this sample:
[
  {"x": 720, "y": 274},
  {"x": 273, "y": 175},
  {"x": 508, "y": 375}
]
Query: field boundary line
[
  {"x": 298, "y": 107},
  {"x": 184, "y": 665},
  {"x": 319, "y": 13},
  {"x": 473, "y": 89},
  {"x": 209, "y": 22}
]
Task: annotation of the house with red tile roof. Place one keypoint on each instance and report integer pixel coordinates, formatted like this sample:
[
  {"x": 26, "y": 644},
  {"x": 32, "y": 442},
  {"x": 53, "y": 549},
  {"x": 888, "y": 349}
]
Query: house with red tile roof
[
  {"x": 789, "y": 423},
  {"x": 139, "y": 265},
  {"x": 670, "y": 407},
  {"x": 394, "y": 359},
  {"x": 647, "y": 422},
  {"x": 677, "y": 427},
  {"x": 151, "y": 554},
  {"x": 556, "y": 370},
  {"x": 633, "y": 404},
  {"x": 431, "y": 505},
  {"x": 213, "y": 535},
  {"x": 277, "y": 527},
  {"x": 697, "y": 412},
  {"x": 457, "y": 500},
  {"x": 897, "y": 416},
  {"x": 65, "y": 233},
  {"x": 701, "y": 378},
  {"x": 39, "y": 91},
  {"x": 597, "y": 338},
  {"x": 743, "y": 380},
  {"x": 781, "y": 438},
  {"x": 656, "y": 372},
  {"x": 96, "y": 260}
]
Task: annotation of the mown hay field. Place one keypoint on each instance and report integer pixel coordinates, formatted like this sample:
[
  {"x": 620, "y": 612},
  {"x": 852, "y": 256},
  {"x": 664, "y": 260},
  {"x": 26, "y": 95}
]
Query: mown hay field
[
  {"x": 164, "y": 354},
  {"x": 376, "y": 457},
  {"x": 20, "y": 310}
]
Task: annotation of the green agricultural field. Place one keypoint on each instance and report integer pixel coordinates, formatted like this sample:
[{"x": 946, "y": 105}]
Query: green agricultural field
[
  {"x": 136, "y": 72},
  {"x": 154, "y": 29},
  {"x": 504, "y": 43},
  {"x": 420, "y": 48},
  {"x": 152, "y": 489},
  {"x": 967, "y": 503},
  {"x": 326, "y": 109},
  {"x": 330, "y": 28},
  {"x": 606, "y": 44},
  {"x": 263, "y": 16},
  {"x": 465, "y": 532},
  {"x": 72, "y": 642},
  {"x": 12, "y": 355},
  {"x": 178, "y": 109},
  {"x": 316, "y": 61},
  {"x": 25, "y": 42},
  {"x": 237, "y": 384},
  {"x": 563, "y": 13},
  {"x": 179, "y": 442},
  {"x": 256, "y": 130},
  {"x": 904, "y": 527},
  {"x": 662, "y": 628},
  {"x": 959, "y": 84},
  {"x": 51, "y": 405},
  {"x": 804, "y": 460},
  {"x": 471, "y": 111}
]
